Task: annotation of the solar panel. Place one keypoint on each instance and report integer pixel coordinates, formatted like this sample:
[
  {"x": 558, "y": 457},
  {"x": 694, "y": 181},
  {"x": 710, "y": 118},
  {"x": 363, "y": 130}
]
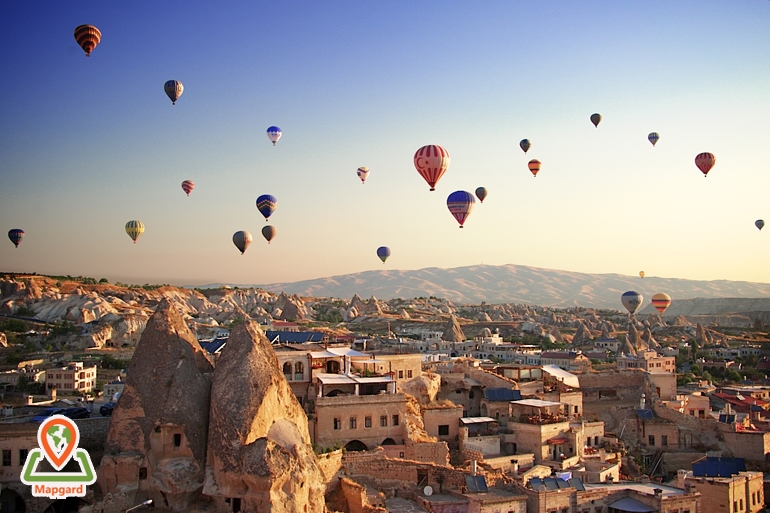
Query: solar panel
[
  {"x": 577, "y": 484},
  {"x": 550, "y": 483},
  {"x": 481, "y": 484},
  {"x": 470, "y": 484},
  {"x": 645, "y": 414},
  {"x": 537, "y": 484},
  {"x": 562, "y": 484}
]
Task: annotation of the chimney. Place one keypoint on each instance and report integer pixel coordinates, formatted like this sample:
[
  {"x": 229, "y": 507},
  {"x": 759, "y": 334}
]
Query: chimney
[
  {"x": 658, "y": 493},
  {"x": 473, "y": 467}
]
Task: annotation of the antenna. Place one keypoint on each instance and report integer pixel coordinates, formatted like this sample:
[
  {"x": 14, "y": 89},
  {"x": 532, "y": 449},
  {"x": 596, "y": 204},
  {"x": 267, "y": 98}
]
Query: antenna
[{"x": 428, "y": 491}]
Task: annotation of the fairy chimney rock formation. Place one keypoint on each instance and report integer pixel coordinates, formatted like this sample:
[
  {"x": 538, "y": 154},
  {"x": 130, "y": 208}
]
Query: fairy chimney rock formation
[
  {"x": 259, "y": 448},
  {"x": 452, "y": 331},
  {"x": 626, "y": 347},
  {"x": 156, "y": 443}
]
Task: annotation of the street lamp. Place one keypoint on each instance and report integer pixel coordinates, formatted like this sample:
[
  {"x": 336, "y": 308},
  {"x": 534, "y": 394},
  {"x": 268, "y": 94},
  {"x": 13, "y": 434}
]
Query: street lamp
[{"x": 145, "y": 503}]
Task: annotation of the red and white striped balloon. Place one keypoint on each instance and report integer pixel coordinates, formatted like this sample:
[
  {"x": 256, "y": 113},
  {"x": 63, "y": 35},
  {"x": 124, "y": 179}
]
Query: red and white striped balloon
[
  {"x": 431, "y": 162},
  {"x": 188, "y": 186},
  {"x": 705, "y": 161}
]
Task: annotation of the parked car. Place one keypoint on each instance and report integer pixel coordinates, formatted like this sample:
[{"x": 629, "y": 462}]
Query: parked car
[
  {"x": 77, "y": 413},
  {"x": 106, "y": 409},
  {"x": 48, "y": 412}
]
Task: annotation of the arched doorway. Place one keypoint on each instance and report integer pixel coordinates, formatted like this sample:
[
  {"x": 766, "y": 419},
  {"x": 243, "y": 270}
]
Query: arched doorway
[
  {"x": 332, "y": 367},
  {"x": 334, "y": 393},
  {"x": 355, "y": 445},
  {"x": 11, "y": 501},
  {"x": 388, "y": 441}
]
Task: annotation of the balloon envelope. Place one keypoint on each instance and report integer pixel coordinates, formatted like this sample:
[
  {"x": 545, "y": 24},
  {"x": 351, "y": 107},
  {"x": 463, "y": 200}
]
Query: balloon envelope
[
  {"x": 266, "y": 205},
  {"x": 383, "y": 252},
  {"x": 759, "y": 223},
  {"x": 174, "y": 90},
  {"x": 661, "y": 301},
  {"x": 242, "y": 239},
  {"x": 88, "y": 37},
  {"x": 188, "y": 186},
  {"x": 481, "y": 193},
  {"x": 16, "y": 235},
  {"x": 534, "y": 167},
  {"x": 596, "y": 119},
  {"x": 134, "y": 229},
  {"x": 460, "y": 205},
  {"x": 268, "y": 232},
  {"x": 274, "y": 133},
  {"x": 525, "y": 144},
  {"x": 653, "y": 138},
  {"x": 641, "y": 274},
  {"x": 631, "y": 300},
  {"x": 362, "y": 173},
  {"x": 705, "y": 161},
  {"x": 431, "y": 162}
]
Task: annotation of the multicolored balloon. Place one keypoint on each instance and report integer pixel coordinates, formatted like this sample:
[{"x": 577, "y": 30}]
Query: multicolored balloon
[
  {"x": 524, "y": 144},
  {"x": 134, "y": 229},
  {"x": 274, "y": 133},
  {"x": 383, "y": 252},
  {"x": 705, "y": 161},
  {"x": 631, "y": 300},
  {"x": 88, "y": 37},
  {"x": 431, "y": 162},
  {"x": 661, "y": 301},
  {"x": 266, "y": 205},
  {"x": 16, "y": 235},
  {"x": 481, "y": 193},
  {"x": 596, "y": 118},
  {"x": 759, "y": 224},
  {"x": 641, "y": 274},
  {"x": 268, "y": 232},
  {"x": 174, "y": 90},
  {"x": 363, "y": 173},
  {"x": 188, "y": 186},
  {"x": 242, "y": 239},
  {"x": 460, "y": 205},
  {"x": 653, "y": 138},
  {"x": 534, "y": 167}
]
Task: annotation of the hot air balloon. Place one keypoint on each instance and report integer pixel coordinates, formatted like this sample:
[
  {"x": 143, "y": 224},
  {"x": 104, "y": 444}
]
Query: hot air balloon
[
  {"x": 242, "y": 239},
  {"x": 188, "y": 186},
  {"x": 705, "y": 161},
  {"x": 596, "y": 119},
  {"x": 460, "y": 205},
  {"x": 525, "y": 144},
  {"x": 134, "y": 229},
  {"x": 88, "y": 37},
  {"x": 268, "y": 232},
  {"x": 661, "y": 301},
  {"x": 631, "y": 300},
  {"x": 481, "y": 193},
  {"x": 534, "y": 167},
  {"x": 362, "y": 173},
  {"x": 16, "y": 235},
  {"x": 383, "y": 252},
  {"x": 641, "y": 274},
  {"x": 174, "y": 90},
  {"x": 758, "y": 223},
  {"x": 653, "y": 138},
  {"x": 274, "y": 133},
  {"x": 266, "y": 205},
  {"x": 431, "y": 162}
]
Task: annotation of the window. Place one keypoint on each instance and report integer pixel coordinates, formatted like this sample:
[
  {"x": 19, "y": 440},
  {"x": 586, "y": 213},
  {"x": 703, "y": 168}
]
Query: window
[
  {"x": 663, "y": 440},
  {"x": 22, "y": 456},
  {"x": 299, "y": 368},
  {"x": 741, "y": 504},
  {"x": 287, "y": 368},
  {"x": 400, "y": 374},
  {"x": 352, "y": 423},
  {"x": 337, "y": 423},
  {"x": 470, "y": 394},
  {"x": 6, "y": 457},
  {"x": 443, "y": 430},
  {"x": 735, "y": 506},
  {"x": 651, "y": 440},
  {"x": 596, "y": 440},
  {"x": 409, "y": 374},
  {"x": 576, "y": 410},
  {"x": 395, "y": 420},
  {"x": 142, "y": 472},
  {"x": 177, "y": 439},
  {"x": 367, "y": 422},
  {"x": 383, "y": 420}
]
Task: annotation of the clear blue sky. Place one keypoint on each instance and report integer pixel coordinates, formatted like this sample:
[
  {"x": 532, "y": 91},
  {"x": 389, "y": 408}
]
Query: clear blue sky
[{"x": 88, "y": 144}]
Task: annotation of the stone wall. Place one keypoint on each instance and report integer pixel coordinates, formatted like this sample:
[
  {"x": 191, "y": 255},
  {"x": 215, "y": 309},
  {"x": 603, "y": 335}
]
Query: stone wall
[
  {"x": 93, "y": 432},
  {"x": 612, "y": 385}
]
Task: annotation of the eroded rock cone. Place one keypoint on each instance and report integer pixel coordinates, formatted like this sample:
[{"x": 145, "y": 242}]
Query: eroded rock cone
[
  {"x": 453, "y": 332},
  {"x": 259, "y": 446}
]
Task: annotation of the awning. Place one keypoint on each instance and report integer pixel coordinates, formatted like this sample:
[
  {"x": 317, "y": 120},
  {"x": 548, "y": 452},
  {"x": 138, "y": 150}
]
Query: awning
[
  {"x": 476, "y": 420},
  {"x": 536, "y": 403},
  {"x": 557, "y": 441},
  {"x": 629, "y": 504},
  {"x": 346, "y": 351},
  {"x": 323, "y": 354},
  {"x": 565, "y": 377},
  {"x": 335, "y": 379}
]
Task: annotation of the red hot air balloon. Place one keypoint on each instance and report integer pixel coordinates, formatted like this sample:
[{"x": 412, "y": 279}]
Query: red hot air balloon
[
  {"x": 705, "y": 161},
  {"x": 534, "y": 167},
  {"x": 460, "y": 205},
  {"x": 87, "y": 37},
  {"x": 188, "y": 186},
  {"x": 431, "y": 162}
]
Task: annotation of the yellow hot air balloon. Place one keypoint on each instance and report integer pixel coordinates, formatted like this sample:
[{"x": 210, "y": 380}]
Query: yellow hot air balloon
[
  {"x": 134, "y": 229},
  {"x": 641, "y": 274}
]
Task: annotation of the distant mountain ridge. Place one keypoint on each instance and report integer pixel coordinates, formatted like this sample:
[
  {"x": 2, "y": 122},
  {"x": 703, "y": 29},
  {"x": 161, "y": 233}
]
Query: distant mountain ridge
[{"x": 518, "y": 284}]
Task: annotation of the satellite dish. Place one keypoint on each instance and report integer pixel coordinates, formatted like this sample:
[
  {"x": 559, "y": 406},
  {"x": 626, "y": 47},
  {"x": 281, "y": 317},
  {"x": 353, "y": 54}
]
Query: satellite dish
[{"x": 428, "y": 491}]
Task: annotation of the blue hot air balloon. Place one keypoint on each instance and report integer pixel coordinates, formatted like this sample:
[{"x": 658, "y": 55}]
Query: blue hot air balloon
[
  {"x": 16, "y": 235},
  {"x": 460, "y": 205},
  {"x": 266, "y": 205},
  {"x": 383, "y": 252},
  {"x": 274, "y": 133},
  {"x": 632, "y": 300}
]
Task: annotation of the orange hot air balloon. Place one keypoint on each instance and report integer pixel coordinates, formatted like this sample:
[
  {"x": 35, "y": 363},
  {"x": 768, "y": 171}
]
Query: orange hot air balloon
[
  {"x": 188, "y": 186},
  {"x": 705, "y": 161},
  {"x": 534, "y": 167},
  {"x": 661, "y": 301},
  {"x": 88, "y": 37},
  {"x": 431, "y": 162}
]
